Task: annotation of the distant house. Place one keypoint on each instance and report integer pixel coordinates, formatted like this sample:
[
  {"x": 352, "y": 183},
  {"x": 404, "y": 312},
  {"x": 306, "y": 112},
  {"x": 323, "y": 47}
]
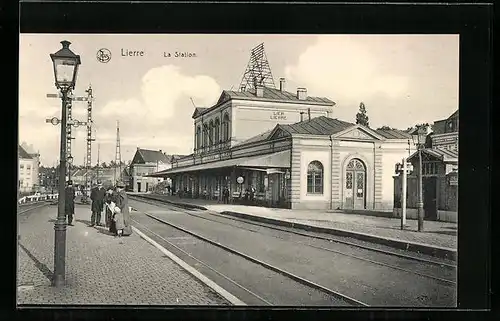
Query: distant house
[
  {"x": 145, "y": 162},
  {"x": 439, "y": 174},
  {"x": 28, "y": 171},
  {"x": 445, "y": 133}
]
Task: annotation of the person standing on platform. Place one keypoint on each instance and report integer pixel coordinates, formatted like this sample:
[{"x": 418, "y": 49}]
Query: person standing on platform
[
  {"x": 97, "y": 196},
  {"x": 108, "y": 199},
  {"x": 69, "y": 205},
  {"x": 225, "y": 195},
  {"x": 122, "y": 218}
]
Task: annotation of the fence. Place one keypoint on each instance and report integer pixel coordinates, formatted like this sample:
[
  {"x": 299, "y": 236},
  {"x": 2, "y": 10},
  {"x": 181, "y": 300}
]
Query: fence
[{"x": 37, "y": 198}]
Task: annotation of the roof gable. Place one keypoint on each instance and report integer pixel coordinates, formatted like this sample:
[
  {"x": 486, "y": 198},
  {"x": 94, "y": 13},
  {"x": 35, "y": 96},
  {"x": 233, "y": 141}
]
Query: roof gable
[
  {"x": 225, "y": 96},
  {"x": 454, "y": 115},
  {"x": 22, "y": 153},
  {"x": 137, "y": 158},
  {"x": 152, "y": 156},
  {"x": 198, "y": 111},
  {"x": 358, "y": 132},
  {"x": 278, "y": 132}
]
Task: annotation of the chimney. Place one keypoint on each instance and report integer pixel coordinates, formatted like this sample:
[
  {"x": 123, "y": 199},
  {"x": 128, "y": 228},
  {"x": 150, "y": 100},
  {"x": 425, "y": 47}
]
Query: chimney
[
  {"x": 259, "y": 91},
  {"x": 282, "y": 84},
  {"x": 301, "y": 116},
  {"x": 309, "y": 113},
  {"x": 161, "y": 151},
  {"x": 301, "y": 93}
]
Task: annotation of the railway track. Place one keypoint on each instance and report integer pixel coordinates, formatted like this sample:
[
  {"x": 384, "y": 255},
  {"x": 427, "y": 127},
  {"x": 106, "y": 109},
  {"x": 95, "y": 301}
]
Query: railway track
[
  {"x": 26, "y": 208},
  {"x": 442, "y": 273},
  {"x": 314, "y": 292},
  {"x": 450, "y": 267}
]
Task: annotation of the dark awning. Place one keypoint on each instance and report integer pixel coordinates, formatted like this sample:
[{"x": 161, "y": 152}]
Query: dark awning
[{"x": 274, "y": 160}]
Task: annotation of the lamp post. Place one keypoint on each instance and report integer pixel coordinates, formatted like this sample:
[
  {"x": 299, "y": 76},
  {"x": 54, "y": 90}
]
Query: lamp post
[
  {"x": 65, "y": 64},
  {"x": 419, "y": 140}
]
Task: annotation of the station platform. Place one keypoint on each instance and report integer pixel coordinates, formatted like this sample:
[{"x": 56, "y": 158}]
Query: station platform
[
  {"x": 438, "y": 238},
  {"x": 100, "y": 269}
]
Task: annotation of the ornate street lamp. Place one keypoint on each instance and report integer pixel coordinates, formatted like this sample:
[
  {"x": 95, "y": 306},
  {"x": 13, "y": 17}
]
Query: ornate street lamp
[
  {"x": 65, "y": 64},
  {"x": 419, "y": 141}
]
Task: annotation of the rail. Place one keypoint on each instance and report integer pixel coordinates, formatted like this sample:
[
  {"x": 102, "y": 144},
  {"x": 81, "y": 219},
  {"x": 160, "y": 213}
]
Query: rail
[{"x": 37, "y": 198}]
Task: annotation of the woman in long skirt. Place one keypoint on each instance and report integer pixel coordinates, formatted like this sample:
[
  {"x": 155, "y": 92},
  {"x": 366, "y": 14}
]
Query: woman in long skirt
[
  {"x": 108, "y": 200},
  {"x": 122, "y": 219}
]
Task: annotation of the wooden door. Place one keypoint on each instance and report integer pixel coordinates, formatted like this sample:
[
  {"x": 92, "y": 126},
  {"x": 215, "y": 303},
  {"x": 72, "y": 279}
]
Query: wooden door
[
  {"x": 359, "y": 191},
  {"x": 430, "y": 197},
  {"x": 355, "y": 185}
]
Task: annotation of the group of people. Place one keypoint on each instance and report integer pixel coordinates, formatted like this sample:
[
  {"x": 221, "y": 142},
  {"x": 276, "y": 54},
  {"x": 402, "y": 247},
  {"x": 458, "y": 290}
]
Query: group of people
[{"x": 113, "y": 201}]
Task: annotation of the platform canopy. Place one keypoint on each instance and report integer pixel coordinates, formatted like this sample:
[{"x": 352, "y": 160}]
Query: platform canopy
[
  {"x": 444, "y": 155},
  {"x": 261, "y": 162}
]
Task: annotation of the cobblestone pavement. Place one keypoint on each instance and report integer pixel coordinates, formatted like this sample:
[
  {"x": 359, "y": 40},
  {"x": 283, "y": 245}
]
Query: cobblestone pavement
[
  {"x": 100, "y": 269},
  {"x": 440, "y": 234}
]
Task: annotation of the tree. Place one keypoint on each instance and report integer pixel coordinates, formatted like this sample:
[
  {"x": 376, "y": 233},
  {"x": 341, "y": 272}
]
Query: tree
[
  {"x": 386, "y": 128},
  {"x": 104, "y": 165},
  {"x": 361, "y": 117}
]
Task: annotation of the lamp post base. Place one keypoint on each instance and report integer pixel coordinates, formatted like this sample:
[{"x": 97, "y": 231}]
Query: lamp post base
[{"x": 58, "y": 281}]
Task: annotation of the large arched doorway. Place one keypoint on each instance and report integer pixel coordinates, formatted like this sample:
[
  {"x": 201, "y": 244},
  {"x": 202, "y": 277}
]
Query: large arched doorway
[{"x": 355, "y": 185}]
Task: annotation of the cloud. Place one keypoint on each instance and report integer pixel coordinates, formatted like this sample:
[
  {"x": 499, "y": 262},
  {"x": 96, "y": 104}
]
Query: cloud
[
  {"x": 347, "y": 71},
  {"x": 162, "y": 90},
  {"x": 160, "y": 117}
]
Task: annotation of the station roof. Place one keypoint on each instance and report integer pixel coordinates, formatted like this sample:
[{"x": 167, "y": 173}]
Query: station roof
[
  {"x": 276, "y": 94},
  {"x": 321, "y": 125},
  {"x": 445, "y": 155},
  {"x": 393, "y": 133},
  {"x": 274, "y": 160},
  {"x": 269, "y": 94}
]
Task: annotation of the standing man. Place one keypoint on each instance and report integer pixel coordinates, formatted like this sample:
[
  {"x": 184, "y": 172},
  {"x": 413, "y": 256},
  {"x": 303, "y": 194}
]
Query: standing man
[
  {"x": 97, "y": 196},
  {"x": 225, "y": 195},
  {"x": 69, "y": 206}
]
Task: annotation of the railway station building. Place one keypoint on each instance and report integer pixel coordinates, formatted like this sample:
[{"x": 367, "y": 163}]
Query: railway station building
[{"x": 291, "y": 150}]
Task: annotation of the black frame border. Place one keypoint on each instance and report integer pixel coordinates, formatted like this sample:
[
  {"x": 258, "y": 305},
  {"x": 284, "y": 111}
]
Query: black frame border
[{"x": 472, "y": 22}]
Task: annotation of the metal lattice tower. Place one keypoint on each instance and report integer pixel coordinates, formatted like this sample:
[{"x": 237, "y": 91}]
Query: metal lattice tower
[
  {"x": 69, "y": 106},
  {"x": 258, "y": 71},
  {"x": 97, "y": 167},
  {"x": 88, "y": 155},
  {"x": 118, "y": 156}
]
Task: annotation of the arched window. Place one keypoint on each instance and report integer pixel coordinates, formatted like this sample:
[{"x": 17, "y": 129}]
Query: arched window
[
  {"x": 225, "y": 128},
  {"x": 315, "y": 178},
  {"x": 205, "y": 136},
  {"x": 217, "y": 131},
  {"x": 211, "y": 133},
  {"x": 198, "y": 137}
]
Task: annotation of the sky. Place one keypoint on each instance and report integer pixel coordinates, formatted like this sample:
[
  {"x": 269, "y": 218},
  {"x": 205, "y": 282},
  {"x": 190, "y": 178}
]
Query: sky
[{"x": 402, "y": 80}]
